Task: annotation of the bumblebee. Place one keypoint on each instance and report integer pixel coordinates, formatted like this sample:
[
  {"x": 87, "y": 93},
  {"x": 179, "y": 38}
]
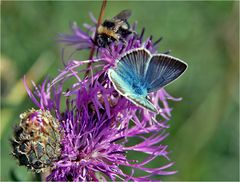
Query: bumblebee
[{"x": 113, "y": 30}]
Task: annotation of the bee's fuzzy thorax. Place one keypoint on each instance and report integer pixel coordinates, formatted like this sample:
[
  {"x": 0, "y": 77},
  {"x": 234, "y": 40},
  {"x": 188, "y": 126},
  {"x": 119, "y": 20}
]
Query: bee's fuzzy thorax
[{"x": 108, "y": 32}]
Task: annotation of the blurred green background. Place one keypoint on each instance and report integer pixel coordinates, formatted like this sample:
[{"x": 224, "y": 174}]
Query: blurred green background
[{"x": 204, "y": 137}]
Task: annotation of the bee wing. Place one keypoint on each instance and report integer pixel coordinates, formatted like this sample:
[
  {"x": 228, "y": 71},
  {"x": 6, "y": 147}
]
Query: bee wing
[{"x": 123, "y": 15}]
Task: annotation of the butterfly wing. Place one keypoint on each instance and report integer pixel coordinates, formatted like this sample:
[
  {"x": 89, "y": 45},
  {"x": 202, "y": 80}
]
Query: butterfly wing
[
  {"x": 134, "y": 64},
  {"x": 137, "y": 73},
  {"x": 142, "y": 102},
  {"x": 128, "y": 75},
  {"x": 119, "y": 83},
  {"x": 125, "y": 89},
  {"x": 162, "y": 70}
]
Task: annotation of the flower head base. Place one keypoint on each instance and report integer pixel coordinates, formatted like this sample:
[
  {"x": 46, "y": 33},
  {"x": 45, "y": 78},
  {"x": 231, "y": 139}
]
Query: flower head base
[{"x": 36, "y": 142}]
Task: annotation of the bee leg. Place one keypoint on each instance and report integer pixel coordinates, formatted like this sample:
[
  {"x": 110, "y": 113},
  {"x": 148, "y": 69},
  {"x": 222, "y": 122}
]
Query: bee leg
[
  {"x": 134, "y": 32},
  {"x": 93, "y": 41},
  {"x": 123, "y": 41}
]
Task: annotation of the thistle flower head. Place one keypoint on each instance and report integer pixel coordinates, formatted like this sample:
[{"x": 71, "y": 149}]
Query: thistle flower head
[
  {"x": 36, "y": 142},
  {"x": 95, "y": 142},
  {"x": 96, "y": 121},
  {"x": 98, "y": 124}
]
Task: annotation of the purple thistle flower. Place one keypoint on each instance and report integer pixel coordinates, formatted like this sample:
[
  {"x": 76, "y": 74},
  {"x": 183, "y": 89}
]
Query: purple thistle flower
[
  {"x": 95, "y": 138},
  {"x": 97, "y": 122}
]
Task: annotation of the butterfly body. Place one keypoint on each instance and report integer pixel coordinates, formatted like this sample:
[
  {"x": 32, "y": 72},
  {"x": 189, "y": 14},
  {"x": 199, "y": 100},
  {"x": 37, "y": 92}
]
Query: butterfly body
[{"x": 138, "y": 73}]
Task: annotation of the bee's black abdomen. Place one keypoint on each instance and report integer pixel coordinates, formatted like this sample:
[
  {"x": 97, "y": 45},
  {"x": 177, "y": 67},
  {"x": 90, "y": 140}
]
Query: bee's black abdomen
[
  {"x": 108, "y": 24},
  {"x": 124, "y": 32}
]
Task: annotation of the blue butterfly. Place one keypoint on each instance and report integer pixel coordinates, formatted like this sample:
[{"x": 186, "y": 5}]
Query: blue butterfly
[{"x": 138, "y": 73}]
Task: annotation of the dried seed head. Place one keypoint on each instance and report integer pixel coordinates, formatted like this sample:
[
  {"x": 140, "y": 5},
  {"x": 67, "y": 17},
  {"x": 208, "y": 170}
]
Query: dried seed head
[{"x": 36, "y": 141}]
